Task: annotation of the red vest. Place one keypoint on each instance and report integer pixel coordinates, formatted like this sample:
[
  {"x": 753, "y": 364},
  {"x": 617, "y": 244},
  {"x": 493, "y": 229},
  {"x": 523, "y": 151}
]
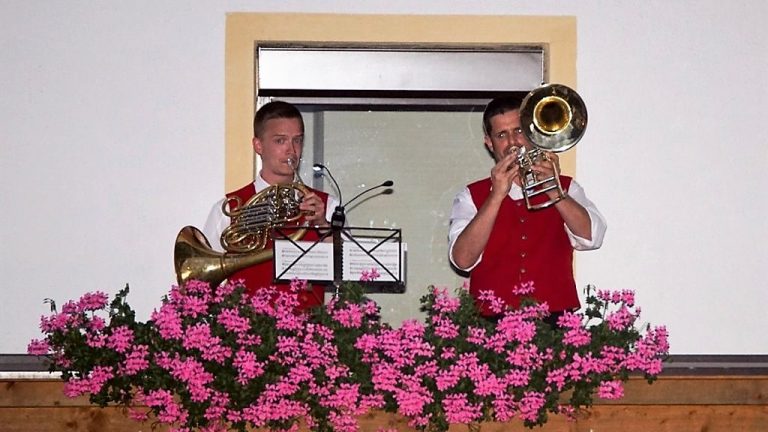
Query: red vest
[
  {"x": 262, "y": 274},
  {"x": 525, "y": 246}
]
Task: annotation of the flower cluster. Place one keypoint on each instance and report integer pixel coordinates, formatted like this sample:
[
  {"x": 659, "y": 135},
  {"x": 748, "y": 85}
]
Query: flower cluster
[
  {"x": 219, "y": 360},
  {"x": 461, "y": 368}
]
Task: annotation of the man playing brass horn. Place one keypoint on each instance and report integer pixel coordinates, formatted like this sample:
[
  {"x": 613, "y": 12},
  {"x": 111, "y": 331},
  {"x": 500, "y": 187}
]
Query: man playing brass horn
[
  {"x": 502, "y": 243},
  {"x": 278, "y": 129}
]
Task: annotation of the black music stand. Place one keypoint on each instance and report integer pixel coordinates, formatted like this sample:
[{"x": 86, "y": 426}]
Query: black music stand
[{"x": 340, "y": 255}]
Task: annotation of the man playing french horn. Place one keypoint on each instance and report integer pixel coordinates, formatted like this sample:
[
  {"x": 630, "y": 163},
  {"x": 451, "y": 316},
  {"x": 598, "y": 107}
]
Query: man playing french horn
[
  {"x": 503, "y": 237},
  {"x": 278, "y": 129}
]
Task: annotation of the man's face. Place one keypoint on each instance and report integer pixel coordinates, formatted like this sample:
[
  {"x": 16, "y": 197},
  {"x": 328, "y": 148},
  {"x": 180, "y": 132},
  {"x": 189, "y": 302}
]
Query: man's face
[
  {"x": 280, "y": 146},
  {"x": 505, "y": 134}
]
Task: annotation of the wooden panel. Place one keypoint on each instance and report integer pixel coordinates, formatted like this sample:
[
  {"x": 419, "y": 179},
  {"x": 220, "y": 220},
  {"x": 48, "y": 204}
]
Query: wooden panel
[
  {"x": 70, "y": 419},
  {"x": 740, "y": 390},
  {"x": 36, "y": 394},
  {"x": 710, "y": 418},
  {"x": 670, "y": 404},
  {"x": 715, "y": 390}
]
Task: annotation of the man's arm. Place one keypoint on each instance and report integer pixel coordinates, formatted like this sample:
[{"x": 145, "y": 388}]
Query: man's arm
[
  {"x": 575, "y": 217},
  {"x": 574, "y": 213},
  {"x": 597, "y": 225},
  {"x": 215, "y": 224},
  {"x": 470, "y": 244}
]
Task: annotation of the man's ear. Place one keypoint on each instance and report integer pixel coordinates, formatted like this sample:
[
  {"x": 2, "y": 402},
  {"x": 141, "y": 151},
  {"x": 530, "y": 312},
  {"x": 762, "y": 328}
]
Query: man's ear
[
  {"x": 488, "y": 143},
  {"x": 257, "y": 147},
  {"x": 489, "y": 146}
]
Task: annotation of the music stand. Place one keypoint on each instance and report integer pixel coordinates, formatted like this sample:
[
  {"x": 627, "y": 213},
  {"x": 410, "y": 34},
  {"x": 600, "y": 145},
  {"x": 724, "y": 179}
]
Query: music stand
[{"x": 341, "y": 255}]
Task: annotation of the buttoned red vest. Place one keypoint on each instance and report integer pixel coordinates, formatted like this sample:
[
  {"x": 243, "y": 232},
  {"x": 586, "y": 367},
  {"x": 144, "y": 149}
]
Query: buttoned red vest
[
  {"x": 262, "y": 275},
  {"x": 525, "y": 246}
]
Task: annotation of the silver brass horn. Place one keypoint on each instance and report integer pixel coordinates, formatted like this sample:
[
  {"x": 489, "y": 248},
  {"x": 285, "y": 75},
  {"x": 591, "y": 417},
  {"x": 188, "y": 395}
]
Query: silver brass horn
[{"x": 553, "y": 118}]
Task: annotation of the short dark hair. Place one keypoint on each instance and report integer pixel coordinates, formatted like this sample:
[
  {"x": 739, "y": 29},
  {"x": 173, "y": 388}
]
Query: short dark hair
[
  {"x": 501, "y": 105},
  {"x": 275, "y": 110}
]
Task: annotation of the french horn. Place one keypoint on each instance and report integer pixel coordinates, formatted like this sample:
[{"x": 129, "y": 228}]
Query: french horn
[
  {"x": 246, "y": 240},
  {"x": 553, "y": 118}
]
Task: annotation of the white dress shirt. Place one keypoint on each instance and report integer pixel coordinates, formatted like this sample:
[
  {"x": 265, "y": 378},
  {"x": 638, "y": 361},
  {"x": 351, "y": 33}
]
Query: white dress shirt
[{"x": 464, "y": 210}]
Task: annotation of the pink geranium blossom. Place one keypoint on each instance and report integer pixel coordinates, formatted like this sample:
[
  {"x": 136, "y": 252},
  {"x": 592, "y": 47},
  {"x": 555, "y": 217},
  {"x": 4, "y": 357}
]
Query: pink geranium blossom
[{"x": 213, "y": 359}]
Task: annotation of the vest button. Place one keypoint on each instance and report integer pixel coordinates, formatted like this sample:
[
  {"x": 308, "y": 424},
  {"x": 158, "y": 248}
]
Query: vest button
[
  {"x": 522, "y": 254},
  {"x": 522, "y": 220},
  {"x": 524, "y": 237},
  {"x": 522, "y": 270}
]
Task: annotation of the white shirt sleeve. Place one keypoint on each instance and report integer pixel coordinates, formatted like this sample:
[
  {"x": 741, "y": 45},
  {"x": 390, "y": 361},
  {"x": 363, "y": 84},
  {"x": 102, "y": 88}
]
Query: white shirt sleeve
[
  {"x": 215, "y": 224},
  {"x": 462, "y": 213},
  {"x": 597, "y": 220},
  {"x": 464, "y": 210}
]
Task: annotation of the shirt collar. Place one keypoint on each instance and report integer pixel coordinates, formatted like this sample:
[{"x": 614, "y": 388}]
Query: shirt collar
[
  {"x": 515, "y": 192},
  {"x": 260, "y": 183}
]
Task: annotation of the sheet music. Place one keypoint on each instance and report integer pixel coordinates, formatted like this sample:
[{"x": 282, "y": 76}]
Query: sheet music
[
  {"x": 357, "y": 260},
  {"x": 316, "y": 264}
]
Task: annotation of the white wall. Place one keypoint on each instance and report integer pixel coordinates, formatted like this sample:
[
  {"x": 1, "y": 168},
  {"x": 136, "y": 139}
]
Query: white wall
[{"x": 112, "y": 126}]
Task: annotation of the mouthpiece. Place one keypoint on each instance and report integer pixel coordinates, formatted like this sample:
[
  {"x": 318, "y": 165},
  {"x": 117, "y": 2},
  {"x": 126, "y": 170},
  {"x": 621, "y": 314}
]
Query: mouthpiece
[{"x": 513, "y": 150}]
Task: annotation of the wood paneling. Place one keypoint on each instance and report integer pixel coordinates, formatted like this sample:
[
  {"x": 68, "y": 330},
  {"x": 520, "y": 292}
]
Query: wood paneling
[{"x": 712, "y": 403}]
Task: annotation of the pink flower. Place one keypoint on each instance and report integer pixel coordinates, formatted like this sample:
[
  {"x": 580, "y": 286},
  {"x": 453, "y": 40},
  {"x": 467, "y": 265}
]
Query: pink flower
[
  {"x": 621, "y": 319},
  {"x": 168, "y": 322},
  {"x": 610, "y": 390},
  {"x": 222, "y": 358},
  {"x": 92, "y": 301},
  {"x": 476, "y": 335},
  {"x": 513, "y": 329},
  {"x": 38, "y": 347},
  {"x": 136, "y": 361},
  {"x": 56, "y": 322},
  {"x": 577, "y": 337},
  {"x": 569, "y": 320},
  {"x": 199, "y": 337},
  {"x": 445, "y": 328},
  {"x": 448, "y": 353},
  {"x": 92, "y": 383},
  {"x": 350, "y": 316},
  {"x": 97, "y": 324},
  {"x": 495, "y": 304},
  {"x": 459, "y": 410},
  {"x": 531, "y": 405},
  {"x": 98, "y": 340},
  {"x": 369, "y": 276},
  {"x": 169, "y": 410},
  {"x": 444, "y": 303},
  {"x": 503, "y": 408},
  {"x": 523, "y": 288},
  {"x": 232, "y": 321},
  {"x": 120, "y": 339},
  {"x": 557, "y": 377},
  {"x": 248, "y": 367}
]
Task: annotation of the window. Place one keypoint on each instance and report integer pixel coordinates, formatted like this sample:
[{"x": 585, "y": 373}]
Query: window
[{"x": 420, "y": 129}]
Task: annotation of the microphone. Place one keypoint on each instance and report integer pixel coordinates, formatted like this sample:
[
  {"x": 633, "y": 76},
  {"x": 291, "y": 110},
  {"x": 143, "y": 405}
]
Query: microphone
[
  {"x": 387, "y": 183},
  {"x": 318, "y": 168},
  {"x": 338, "y": 218}
]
